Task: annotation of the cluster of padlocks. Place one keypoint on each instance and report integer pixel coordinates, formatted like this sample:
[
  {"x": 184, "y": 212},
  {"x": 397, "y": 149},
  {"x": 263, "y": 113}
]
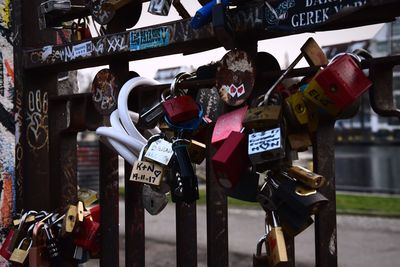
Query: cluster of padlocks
[
  {"x": 255, "y": 139},
  {"x": 43, "y": 238}
]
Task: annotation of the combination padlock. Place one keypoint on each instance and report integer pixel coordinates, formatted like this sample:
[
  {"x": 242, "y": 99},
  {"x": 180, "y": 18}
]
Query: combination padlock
[
  {"x": 231, "y": 160},
  {"x": 52, "y": 247}
]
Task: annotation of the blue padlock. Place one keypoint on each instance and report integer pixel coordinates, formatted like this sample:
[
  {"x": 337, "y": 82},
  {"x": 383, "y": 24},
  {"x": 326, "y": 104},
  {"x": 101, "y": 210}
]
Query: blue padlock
[{"x": 204, "y": 14}]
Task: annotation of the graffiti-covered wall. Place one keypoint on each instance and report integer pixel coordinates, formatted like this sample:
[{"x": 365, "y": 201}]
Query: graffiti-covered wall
[{"x": 7, "y": 126}]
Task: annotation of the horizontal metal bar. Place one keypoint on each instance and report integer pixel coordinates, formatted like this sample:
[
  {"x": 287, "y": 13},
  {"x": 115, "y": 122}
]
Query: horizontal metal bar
[{"x": 179, "y": 37}]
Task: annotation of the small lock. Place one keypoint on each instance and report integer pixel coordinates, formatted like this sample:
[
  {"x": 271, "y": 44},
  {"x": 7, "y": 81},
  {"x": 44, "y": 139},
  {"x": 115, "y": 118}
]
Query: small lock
[
  {"x": 153, "y": 201},
  {"x": 300, "y": 141},
  {"x": 145, "y": 171},
  {"x": 316, "y": 96},
  {"x": 87, "y": 196},
  {"x": 21, "y": 252},
  {"x": 266, "y": 146},
  {"x": 293, "y": 221},
  {"x": 231, "y": 160},
  {"x": 261, "y": 259},
  {"x": 52, "y": 247},
  {"x": 159, "y": 150},
  {"x": 86, "y": 235},
  {"x": 69, "y": 220},
  {"x": 276, "y": 243},
  {"x": 296, "y": 110},
  {"x": 262, "y": 117},
  {"x": 227, "y": 123},
  {"x": 306, "y": 177},
  {"x": 80, "y": 212},
  {"x": 197, "y": 151}
]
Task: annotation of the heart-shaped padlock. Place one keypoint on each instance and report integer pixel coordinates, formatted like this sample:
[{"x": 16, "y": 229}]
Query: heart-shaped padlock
[{"x": 154, "y": 201}]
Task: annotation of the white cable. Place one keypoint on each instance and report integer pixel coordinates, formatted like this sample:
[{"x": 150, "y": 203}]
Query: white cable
[{"x": 123, "y": 136}]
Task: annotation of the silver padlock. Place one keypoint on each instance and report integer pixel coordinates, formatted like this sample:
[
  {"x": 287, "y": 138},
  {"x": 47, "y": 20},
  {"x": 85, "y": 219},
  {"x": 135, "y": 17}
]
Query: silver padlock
[{"x": 154, "y": 201}]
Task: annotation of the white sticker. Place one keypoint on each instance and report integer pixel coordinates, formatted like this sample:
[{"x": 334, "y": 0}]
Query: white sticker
[
  {"x": 264, "y": 141},
  {"x": 160, "y": 151},
  {"x": 146, "y": 172},
  {"x": 233, "y": 90},
  {"x": 83, "y": 49}
]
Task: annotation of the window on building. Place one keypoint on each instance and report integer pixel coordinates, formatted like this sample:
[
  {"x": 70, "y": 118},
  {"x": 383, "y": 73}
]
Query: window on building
[
  {"x": 396, "y": 85},
  {"x": 381, "y": 47}
]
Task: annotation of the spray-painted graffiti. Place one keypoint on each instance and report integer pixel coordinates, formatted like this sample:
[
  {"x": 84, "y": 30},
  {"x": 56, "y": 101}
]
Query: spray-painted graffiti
[
  {"x": 37, "y": 130},
  {"x": 7, "y": 123}
]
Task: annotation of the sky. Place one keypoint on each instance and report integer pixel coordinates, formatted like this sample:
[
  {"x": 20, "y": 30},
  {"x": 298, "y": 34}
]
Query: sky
[{"x": 278, "y": 47}]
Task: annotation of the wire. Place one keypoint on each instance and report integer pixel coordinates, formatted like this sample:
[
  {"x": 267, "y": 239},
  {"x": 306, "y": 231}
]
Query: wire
[{"x": 123, "y": 136}]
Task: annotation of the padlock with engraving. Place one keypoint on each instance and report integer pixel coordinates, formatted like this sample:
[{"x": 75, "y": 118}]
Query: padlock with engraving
[
  {"x": 266, "y": 146},
  {"x": 227, "y": 123},
  {"x": 186, "y": 185},
  {"x": 343, "y": 81},
  {"x": 262, "y": 117},
  {"x": 21, "y": 252},
  {"x": 5, "y": 252},
  {"x": 276, "y": 243},
  {"x": 86, "y": 235},
  {"x": 160, "y": 8},
  {"x": 314, "y": 56},
  {"x": 154, "y": 201},
  {"x": 180, "y": 107},
  {"x": 37, "y": 253},
  {"x": 306, "y": 176},
  {"x": 317, "y": 100},
  {"x": 231, "y": 160},
  {"x": 69, "y": 220},
  {"x": 145, "y": 171},
  {"x": 159, "y": 150},
  {"x": 261, "y": 259},
  {"x": 301, "y": 198}
]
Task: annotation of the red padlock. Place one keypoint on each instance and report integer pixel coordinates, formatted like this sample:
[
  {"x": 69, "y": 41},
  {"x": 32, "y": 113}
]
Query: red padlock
[
  {"x": 230, "y": 160},
  {"x": 4, "y": 250},
  {"x": 343, "y": 81},
  {"x": 227, "y": 123},
  {"x": 95, "y": 213},
  {"x": 86, "y": 235},
  {"x": 181, "y": 108}
]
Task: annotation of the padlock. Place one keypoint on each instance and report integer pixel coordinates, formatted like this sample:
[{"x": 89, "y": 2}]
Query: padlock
[
  {"x": 293, "y": 222},
  {"x": 267, "y": 199},
  {"x": 318, "y": 100},
  {"x": 150, "y": 117},
  {"x": 145, "y": 171},
  {"x": 204, "y": 14},
  {"x": 191, "y": 127},
  {"x": 179, "y": 108},
  {"x": 37, "y": 253},
  {"x": 21, "y": 252},
  {"x": 246, "y": 188},
  {"x": 80, "y": 211},
  {"x": 306, "y": 176},
  {"x": 276, "y": 243},
  {"x": 343, "y": 81},
  {"x": 227, "y": 123},
  {"x": 296, "y": 195},
  {"x": 262, "y": 117},
  {"x": 296, "y": 110},
  {"x": 186, "y": 187},
  {"x": 314, "y": 56},
  {"x": 261, "y": 259},
  {"x": 86, "y": 235},
  {"x": 87, "y": 196},
  {"x": 69, "y": 220},
  {"x": 299, "y": 141},
  {"x": 231, "y": 160},
  {"x": 22, "y": 229},
  {"x": 154, "y": 201},
  {"x": 266, "y": 146},
  {"x": 95, "y": 213},
  {"x": 52, "y": 247},
  {"x": 4, "y": 250},
  {"x": 159, "y": 150},
  {"x": 161, "y": 8},
  {"x": 235, "y": 77},
  {"x": 197, "y": 151}
]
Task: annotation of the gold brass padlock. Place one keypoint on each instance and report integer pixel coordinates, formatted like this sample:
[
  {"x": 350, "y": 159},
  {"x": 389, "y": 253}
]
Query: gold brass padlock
[
  {"x": 20, "y": 253},
  {"x": 306, "y": 176},
  {"x": 87, "y": 196},
  {"x": 69, "y": 220},
  {"x": 197, "y": 151},
  {"x": 262, "y": 117},
  {"x": 276, "y": 243},
  {"x": 80, "y": 212}
]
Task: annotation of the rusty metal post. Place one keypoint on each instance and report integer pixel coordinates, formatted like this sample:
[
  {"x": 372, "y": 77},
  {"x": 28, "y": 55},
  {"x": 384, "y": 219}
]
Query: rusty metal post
[
  {"x": 325, "y": 221},
  {"x": 186, "y": 235}
]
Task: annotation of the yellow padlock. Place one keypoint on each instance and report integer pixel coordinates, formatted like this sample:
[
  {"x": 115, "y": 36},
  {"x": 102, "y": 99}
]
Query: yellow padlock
[{"x": 315, "y": 95}]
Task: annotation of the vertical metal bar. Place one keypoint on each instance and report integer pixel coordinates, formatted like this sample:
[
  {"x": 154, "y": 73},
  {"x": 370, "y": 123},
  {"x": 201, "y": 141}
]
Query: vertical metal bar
[
  {"x": 217, "y": 217},
  {"x": 109, "y": 207},
  {"x": 325, "y": 221},
  {"x": 186, "y": 235},
  {"x": 290, "y": 248}
]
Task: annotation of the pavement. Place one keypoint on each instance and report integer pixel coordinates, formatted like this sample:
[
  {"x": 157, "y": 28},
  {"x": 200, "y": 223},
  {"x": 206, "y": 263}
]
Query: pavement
[{"x": 362, "y": 241}]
